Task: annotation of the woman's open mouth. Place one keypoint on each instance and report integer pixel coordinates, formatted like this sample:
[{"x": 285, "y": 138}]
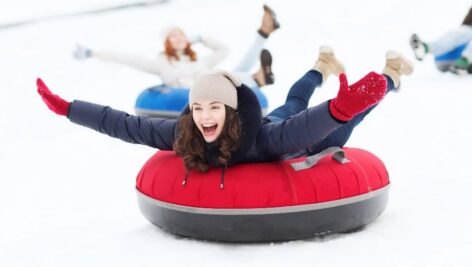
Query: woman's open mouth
[{"x": 209, "y": 129}]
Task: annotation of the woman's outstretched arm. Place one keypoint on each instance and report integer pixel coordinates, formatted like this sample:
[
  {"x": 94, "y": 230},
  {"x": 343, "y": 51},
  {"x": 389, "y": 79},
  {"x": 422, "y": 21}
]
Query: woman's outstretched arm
[
  {"x": 314, "y": 124},
  {"x": 297, "y": 132},
  {"x": 153, "y": 66},
  {"x": 220, "y": 52},
  {"x": 154, "y": 132}
]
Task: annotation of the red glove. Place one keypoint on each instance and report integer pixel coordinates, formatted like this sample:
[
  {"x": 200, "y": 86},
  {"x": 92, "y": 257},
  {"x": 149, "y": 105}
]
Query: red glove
[
  {"x": 54, "y": 102},
  {"x": 354, "y": 99}
]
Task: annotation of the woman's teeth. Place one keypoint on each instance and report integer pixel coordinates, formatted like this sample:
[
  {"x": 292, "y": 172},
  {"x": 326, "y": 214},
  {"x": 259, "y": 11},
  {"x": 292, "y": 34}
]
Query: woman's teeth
[{"x": 209, "y": 127}]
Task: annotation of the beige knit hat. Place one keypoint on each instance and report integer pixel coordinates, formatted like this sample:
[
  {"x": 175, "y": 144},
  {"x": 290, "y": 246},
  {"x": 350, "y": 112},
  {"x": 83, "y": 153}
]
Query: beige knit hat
[{"x": 215, "y": 85}]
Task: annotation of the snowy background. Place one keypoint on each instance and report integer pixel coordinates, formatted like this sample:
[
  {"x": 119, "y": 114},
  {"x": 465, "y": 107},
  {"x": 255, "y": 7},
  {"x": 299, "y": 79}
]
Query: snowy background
[{"x": 67, "y": 194}]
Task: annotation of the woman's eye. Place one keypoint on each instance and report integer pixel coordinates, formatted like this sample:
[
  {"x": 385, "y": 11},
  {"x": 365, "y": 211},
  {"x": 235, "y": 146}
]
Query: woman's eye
[{"x": 215, "y": 107}]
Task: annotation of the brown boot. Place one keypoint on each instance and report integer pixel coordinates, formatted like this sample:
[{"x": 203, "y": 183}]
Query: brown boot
[
  {"x": 269, "y": 22},
  {"x": 327, "y": 63},
  {"x": 264, "y": 75},
  {"x": 396, "y": 66}
]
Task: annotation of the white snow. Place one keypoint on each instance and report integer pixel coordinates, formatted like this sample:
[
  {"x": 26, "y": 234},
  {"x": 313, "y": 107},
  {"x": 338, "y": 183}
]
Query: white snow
[{"x": 67, "y": 194}]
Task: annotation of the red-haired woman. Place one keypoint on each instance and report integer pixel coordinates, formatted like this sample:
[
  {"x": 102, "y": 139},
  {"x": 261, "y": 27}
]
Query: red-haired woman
[{"x": 178, "y": 63}]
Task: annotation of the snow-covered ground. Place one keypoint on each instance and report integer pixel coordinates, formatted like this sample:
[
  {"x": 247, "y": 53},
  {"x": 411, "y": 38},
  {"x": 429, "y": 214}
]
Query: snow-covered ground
[{"x": 67, "y": 194}]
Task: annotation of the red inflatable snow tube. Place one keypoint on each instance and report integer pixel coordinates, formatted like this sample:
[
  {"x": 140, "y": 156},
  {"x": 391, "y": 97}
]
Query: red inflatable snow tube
[{"x": 264, "y": 202}]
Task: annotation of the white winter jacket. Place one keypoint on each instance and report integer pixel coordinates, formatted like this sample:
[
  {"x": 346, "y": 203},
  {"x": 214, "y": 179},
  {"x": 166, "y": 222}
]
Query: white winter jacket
[{"x": 173, "y": 73}]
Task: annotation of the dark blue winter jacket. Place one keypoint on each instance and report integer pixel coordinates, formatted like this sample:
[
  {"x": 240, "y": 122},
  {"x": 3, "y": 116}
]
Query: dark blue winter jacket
[{"x": 260, "y": 141}]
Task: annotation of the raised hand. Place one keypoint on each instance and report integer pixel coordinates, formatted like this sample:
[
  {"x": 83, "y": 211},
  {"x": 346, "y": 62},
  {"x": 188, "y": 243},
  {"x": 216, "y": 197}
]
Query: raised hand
[
  {"x": 54, "y": 102},
  {"x": 354, "y": 99}
]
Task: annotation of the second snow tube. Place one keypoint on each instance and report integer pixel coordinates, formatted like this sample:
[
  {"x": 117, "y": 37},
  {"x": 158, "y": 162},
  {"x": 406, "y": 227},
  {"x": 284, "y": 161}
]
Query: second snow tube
[
  {"x": 444, "y": 61},
  {"x": 168, "y": 102}
]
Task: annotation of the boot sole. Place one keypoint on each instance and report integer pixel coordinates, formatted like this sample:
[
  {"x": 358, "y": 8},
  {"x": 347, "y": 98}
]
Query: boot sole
[
  {"x": 415, "y": 44},
  {"x": 274, "y": 17},
  {"x": 266, "y": 65}
]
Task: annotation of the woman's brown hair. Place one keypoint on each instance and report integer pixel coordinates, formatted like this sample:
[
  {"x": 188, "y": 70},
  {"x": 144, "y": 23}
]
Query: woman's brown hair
[
  {"x": 190, "y": 144},
  {"x": 468, "y": 18},
  {"x": 171, "y": 53}
]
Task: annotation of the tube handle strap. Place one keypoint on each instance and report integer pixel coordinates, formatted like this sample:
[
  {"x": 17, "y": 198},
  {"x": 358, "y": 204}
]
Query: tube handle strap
[{"x": 337, "y": 152}]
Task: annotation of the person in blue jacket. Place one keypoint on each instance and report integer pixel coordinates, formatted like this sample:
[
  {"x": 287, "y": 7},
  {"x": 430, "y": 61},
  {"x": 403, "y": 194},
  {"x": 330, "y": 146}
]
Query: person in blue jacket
[
  {"x": 452, "y": 51},
  {"x": 223, "y": 125}
]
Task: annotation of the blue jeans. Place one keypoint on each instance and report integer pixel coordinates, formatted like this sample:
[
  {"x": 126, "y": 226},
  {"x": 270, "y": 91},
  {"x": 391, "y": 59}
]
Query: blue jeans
[
  {"x": 297, "y": 101},
  {"x": 297, "y": 98}
]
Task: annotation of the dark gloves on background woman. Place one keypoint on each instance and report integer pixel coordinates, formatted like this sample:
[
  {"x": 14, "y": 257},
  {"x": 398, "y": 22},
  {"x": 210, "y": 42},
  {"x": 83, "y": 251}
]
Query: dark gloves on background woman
[
  {"x": 54, "y": 102},
  {"x": 354, "y": 99}
]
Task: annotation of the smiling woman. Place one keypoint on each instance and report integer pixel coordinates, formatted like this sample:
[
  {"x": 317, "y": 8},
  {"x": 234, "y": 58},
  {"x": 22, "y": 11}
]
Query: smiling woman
[
  {"x": 209, "y": 118},
  {"x": 223, "y": 124},
  {"x": 178, "y": 61}
]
